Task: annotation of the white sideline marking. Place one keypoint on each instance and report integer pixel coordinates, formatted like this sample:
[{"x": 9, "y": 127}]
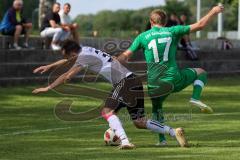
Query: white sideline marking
[{"x": 44, "y": 130}]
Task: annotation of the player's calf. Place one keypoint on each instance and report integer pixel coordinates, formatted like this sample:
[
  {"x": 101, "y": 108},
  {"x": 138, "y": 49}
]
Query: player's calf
[
  {"x": 116, "y": 125},
  {"x": 157, "y": 127}
]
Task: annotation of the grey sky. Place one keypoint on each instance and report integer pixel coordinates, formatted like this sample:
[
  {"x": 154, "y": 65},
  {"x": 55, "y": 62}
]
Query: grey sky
[{"x": 93, "y": 6}]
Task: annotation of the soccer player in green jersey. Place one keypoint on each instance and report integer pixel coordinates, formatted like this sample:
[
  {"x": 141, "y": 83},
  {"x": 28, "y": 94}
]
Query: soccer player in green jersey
[{"x": 164, "y": 77}]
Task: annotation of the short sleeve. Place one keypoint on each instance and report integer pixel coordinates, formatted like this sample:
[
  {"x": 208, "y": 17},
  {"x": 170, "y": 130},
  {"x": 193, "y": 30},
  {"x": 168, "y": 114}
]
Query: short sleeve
[
  {"x": 62, "y": 17},
  {"x": 180, "y": 30},
  {"x": 136, "y": 45},
  {"x": 50, "y": 16},
  {"x": 82, "y": 61}
]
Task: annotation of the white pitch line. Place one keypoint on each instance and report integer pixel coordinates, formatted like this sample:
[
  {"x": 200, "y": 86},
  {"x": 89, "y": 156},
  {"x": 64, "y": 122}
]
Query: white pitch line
[{"x": 45, "y": 130}]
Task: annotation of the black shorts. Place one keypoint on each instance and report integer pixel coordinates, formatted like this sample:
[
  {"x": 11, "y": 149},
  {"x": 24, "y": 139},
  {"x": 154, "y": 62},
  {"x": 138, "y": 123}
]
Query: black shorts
[
  {"x": 128, "y": 93},
  {"x": 11, "y": 31}
]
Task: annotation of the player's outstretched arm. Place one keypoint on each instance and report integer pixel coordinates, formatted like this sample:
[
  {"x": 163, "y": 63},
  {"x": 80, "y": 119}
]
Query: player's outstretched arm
[
  {"x": 200, "y": 25},
  {"x": 46, "y": 68},
  {"x": 62, "y": 79},
  {"x": 123, "y": 58}
]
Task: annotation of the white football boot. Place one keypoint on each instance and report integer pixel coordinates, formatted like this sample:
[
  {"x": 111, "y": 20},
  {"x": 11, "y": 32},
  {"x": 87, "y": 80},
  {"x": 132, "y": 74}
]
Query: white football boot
[
  {"x": 128, "y": 146},
  {"x": 204, "y": 108}
]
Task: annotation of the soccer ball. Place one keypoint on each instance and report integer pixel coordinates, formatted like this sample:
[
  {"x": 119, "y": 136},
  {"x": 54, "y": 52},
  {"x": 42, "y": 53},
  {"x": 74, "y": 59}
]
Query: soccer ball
[{"x": 110, "y": 138}]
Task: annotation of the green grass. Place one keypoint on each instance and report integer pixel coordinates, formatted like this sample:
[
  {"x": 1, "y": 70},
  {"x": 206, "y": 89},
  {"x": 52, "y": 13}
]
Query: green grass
[{"x": 29, "y": 129}]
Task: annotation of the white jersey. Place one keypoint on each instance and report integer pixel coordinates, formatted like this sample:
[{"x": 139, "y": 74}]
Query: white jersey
[
  {"x": 65, "y": 19},
  {"x": 103, "y": 64}
]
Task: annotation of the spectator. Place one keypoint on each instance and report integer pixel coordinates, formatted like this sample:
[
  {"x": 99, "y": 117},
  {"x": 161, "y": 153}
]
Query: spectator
[
  {"x": 51, "y": 27},
  {"x": 186, "y": 42},
  {"x": 14, "y": 24},
  {"x": 173, "y": 20},
  {"x": 67, "y": 21}
]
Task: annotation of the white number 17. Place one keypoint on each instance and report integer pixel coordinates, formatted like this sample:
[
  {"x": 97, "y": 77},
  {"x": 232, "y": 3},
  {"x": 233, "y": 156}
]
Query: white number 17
[{"x": 153, "y": 45}]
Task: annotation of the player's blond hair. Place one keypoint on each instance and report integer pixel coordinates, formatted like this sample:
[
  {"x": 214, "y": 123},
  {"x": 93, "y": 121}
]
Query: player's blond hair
[{"x": 158, "y": 16}]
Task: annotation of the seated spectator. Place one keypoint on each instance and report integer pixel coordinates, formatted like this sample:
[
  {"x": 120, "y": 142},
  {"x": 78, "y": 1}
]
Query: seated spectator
[
  {"x": 173, "y": 20},
  {"x": 67, "y": 21},
  {"x": 51, "y": 27},
  {"x": 14, "y": 24}
]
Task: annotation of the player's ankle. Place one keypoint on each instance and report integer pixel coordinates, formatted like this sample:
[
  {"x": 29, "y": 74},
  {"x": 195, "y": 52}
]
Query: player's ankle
[
  {"x": 194, "y": 99},
  {"x": 172, "y": 132},
  {"x": 125, "y": 141}
]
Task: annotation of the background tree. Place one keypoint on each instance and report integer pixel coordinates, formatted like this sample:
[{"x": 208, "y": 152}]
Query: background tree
[
  {"x": 44, "y": 6},
  {"x": 125, "y": 23}
]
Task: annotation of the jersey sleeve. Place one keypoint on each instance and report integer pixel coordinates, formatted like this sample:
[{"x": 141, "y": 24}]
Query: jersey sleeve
[
  {"x": 136, "y": 45},
  {"x": 180, "y": 30},
  {"x": 82, "y": 61},
  {"x": 50, "y": 17}
]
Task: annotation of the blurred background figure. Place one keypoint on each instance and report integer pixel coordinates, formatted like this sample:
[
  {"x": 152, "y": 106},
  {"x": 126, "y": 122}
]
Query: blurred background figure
[
  {"x": 173, "y": 20},
  {"x": 51, "y": 27},
  {"x": 185, "y": 42},
  {"x": 14, "y": 24},
  {"x": 66, "y": 21}
]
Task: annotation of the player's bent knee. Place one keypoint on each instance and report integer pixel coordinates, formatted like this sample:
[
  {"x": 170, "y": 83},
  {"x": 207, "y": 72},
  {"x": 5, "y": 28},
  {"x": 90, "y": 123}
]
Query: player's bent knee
[
  {"x": 200, "y": 71},
  {"x": 19, "y": 27},
  {"x": 59, "y": 30},
  {"x": 139, "y": 124},
  {"x": 106, "y": 113}
]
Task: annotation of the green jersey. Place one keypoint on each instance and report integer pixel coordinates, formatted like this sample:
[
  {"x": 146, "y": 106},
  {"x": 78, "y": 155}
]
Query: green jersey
[{"x": 160, "y": 48}]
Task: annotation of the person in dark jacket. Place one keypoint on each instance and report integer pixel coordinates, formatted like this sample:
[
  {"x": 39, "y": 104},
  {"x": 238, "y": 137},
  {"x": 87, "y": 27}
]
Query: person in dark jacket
[
  {"x": 14, "y": 24},
  {"x": 186, "y": 42}
]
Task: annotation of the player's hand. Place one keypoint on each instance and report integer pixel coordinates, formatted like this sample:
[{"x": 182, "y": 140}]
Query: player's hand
[
  {"x": 41, "y": 69},
  {"x": 66, "y": 28},
  {"x": 218, "y": 9},
  {"x": 40, "y": 90},
  {"x": 74, "y": 26}
]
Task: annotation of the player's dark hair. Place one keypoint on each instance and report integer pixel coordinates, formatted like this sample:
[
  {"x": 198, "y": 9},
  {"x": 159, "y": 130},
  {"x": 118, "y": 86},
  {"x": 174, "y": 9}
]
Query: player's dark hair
[
  {"x": 67, "y": 4},
  {"x": 70, "y": 46},
  {"x": 57, "y": 3}
]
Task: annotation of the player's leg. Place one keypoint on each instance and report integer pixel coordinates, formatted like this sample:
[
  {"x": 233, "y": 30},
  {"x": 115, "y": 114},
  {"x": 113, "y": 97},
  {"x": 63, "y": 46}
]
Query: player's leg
[
  {"x": 115, "y": 124},
  {"x": 139, "y": 120},
  {"x": 199, "y": 83},
  {"x": 155, "y": 126},
  {"x": 113, "y": 104},
  {"x": 27, "y": 27},
  {"x": 198, "y": 77},
  {"x": 198, "y": 86},
  {"x": 136, "y": 111},
  {"x": 158, "y": 115},
  {"x": 158, "y": 92},
  {"x": 18, "y": 31}
]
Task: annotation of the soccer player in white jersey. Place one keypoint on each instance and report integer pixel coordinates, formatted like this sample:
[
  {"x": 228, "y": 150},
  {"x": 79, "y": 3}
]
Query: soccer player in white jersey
[{"x": 127, "y": 90}]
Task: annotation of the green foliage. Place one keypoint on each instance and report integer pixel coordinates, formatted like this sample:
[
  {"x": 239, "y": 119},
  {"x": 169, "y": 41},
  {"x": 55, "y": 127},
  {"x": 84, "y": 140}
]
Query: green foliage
[
  {"x": 109, "y": 23},
  {"x": 4, "y": 5},
  {"x": 230, "y": 13}
]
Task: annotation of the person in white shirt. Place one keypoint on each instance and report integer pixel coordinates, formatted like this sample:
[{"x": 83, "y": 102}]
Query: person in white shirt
[
  {"x": 127, "y": 90},
  {"x": 67, "y": 21}
]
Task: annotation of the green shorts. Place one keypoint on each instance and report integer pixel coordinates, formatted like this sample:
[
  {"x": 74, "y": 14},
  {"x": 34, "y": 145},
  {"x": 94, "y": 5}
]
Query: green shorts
[
  {"x": 172, "y": 83},
  {"x": 186, "y": 77}
]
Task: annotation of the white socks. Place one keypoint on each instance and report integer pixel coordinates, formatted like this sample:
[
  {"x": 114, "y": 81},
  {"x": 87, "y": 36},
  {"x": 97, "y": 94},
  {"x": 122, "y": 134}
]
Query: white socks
[
  {"x": 155, "y": 126},
  {"x": 116, "y": 125}
]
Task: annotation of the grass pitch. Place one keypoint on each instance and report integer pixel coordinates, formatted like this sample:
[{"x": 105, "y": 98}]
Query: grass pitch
[{"x": 29, "y": 129}]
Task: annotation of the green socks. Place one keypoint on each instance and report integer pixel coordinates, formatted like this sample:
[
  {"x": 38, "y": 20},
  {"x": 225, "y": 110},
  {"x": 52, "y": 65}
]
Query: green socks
[
  {"x": 199, "y": 85},
  {"x": 157, "y": 114}
]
